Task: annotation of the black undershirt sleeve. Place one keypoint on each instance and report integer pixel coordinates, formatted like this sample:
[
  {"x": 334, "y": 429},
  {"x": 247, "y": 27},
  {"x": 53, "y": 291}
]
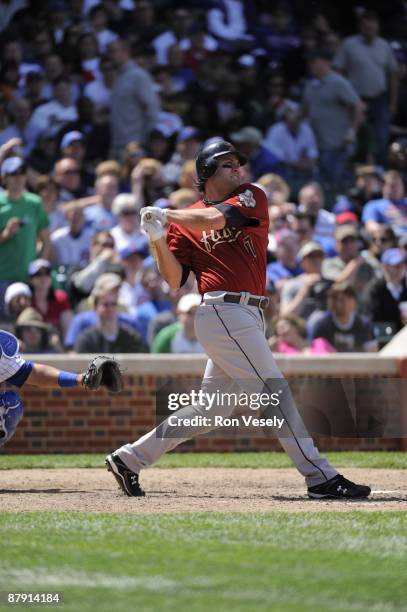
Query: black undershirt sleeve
[
  {"x": 234, "y": 218},
  {"x": 185, "y": 273}
]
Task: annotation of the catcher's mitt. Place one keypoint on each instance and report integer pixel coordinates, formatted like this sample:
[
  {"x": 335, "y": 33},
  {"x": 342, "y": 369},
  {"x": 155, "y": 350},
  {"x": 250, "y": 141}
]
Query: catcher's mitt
[{"x": 103, "y": 372}]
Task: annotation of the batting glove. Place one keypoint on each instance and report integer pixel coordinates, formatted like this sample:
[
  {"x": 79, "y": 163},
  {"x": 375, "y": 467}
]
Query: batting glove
[
  {"x": 153, "y": 229},
  {"x": 150, "y": 213}
]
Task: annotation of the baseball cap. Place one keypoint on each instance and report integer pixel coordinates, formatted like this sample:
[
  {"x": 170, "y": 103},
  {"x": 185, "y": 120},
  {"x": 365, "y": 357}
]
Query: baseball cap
[
  {"x": 139, "y": 247},
  {"x": 71, "y": 137},
  {"x": 345, "y": 231},
  {"x": 393, "y": 257},
  {"x": 346, "y": 217},
  {"x": 105, "y": 283},
  {"x": 36, "y": 265},
  {"x": 308, "y": 248},
  {"x": 11, "y": 165},
  {"x": 14, "y": 290},
  {"x": 247, "y": 134},
  {"x": 188, "y": 133},
  {"x": 188, "y": 301}
]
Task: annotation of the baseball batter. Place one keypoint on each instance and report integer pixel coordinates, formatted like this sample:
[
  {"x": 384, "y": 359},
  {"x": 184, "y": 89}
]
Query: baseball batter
[
  {"x": 223, "y": 239},
  {"x": 17, "y": 371}
]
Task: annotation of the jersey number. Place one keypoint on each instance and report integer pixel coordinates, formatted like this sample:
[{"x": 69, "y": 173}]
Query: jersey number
[{"x": 249, "y": 246}]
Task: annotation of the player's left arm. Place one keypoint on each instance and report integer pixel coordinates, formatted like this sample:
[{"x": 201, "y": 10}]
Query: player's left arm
[
  {"x": 47, "y": 376},
  {"x": 197, "y": 219}
]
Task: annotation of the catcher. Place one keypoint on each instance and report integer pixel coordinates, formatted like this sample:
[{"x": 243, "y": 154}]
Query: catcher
[{"x": 14, "y": 370}]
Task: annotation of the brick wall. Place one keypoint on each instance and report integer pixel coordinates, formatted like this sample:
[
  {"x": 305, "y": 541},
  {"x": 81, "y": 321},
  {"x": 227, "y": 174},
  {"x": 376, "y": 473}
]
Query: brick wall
[{"x": 76, "y": 420}]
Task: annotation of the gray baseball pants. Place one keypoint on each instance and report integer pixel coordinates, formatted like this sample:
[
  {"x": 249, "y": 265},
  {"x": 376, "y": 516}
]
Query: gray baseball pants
[{"x": 239, "y": 356}]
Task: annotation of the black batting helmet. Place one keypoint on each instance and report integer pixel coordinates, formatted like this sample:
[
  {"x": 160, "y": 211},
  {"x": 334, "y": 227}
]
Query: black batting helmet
[{"x": 206, "y": 161}]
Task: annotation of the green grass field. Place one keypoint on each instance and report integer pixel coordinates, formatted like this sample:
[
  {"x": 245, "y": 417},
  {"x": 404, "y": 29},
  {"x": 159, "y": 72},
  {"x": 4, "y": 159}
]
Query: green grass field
[
  {"x": 395, "y": 460},
  {"x": 195, "y": 562}
]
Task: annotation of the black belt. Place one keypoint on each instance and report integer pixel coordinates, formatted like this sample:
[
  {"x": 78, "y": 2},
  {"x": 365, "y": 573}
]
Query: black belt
[{"x": 260, "y": 302}]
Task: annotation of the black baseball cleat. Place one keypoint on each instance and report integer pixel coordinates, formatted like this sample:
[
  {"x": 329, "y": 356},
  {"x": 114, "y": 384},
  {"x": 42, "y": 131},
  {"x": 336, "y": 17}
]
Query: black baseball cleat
[
  {"x": 127, "y": 480},
  {"x": 339, "y": 488}
]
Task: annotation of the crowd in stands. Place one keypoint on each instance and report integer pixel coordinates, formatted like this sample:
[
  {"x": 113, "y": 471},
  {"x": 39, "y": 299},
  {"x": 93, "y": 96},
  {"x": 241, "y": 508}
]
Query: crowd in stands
[{"x": 103, "y": 108}]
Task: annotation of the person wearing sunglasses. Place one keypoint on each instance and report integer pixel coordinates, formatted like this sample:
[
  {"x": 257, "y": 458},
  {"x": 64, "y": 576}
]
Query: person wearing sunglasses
[{"x": 52, "y": 304}]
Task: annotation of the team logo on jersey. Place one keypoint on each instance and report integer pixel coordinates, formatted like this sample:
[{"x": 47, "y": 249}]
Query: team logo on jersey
[
  {"x": 246, "y": 198},
  {"x": 215, "y": 237}
]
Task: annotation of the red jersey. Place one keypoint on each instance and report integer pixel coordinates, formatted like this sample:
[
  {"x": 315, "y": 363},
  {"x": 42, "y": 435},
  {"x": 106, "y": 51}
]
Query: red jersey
[{"x": 229, "y": 259}]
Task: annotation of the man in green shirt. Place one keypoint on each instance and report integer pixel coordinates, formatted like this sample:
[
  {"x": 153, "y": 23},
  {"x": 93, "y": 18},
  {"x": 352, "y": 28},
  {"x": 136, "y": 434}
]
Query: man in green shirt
[{"x": 23, "y": 223}]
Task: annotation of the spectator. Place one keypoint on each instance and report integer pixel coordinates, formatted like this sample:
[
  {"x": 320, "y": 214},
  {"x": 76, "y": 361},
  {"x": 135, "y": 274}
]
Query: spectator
[
  {"x": 368, "y": 186},
  {"x": 57, "y": 112},
  {"x": 100, "y": 90},
  {"x": 180, "y": 336},
  {"x": 132, "y": 292},
  {"x": 279, "y": 216},
  {"x": 384, "y": 295},
  {"x": 52, "y": 304},
  {"x": 33, "y": 89},
  {"x": 291, "y": 337},
  {"x": 345, "y": 329},
  {"x": 311, "y": 199},
  {"x": 135, "y": 105},
  {"x": 133, "y": 154},
  {"x": 71, "y": 243},
  {"x": 303, "y": 224},
  {"x": 370, "y": 65},
  {"x": 48, "y": 190},
  {"x": 72, "y": 146},
  {"x": 391, "y": 209},
  {"x": 286, "y": 266},
  {"x": 42, "y": 157},
  {"x": 277, "y": 190},
  {"x": 306, "y": 294},
  {"x": 108, "y": 335},
  {"x": 186, "y": 149},
  {"x": 34, "y": 335},
  {"x": 99, "y": 20},
  {"x": 20, "y": 110},
  {"x": 182, "y": 198},
  {"x": 103, "y": 259},
  {"x": 127, "y": 231},
  {"x": 16, "y": 298},
  {"x": 187, "y": 177},
  {"x": 348, "y": 266},
  {"x": 86, "y": 318},
  {"x": 100, "y": 216},
  {"x": 261, "y": 159},
  {"x": 68, "y": 178},
  {"x": 292, "y": 141},
  {"x": 153, "y": 298},
  {"x": 23, "y": 222},
  {"x": 93, "y": 123},
  {"x": 379, "y": 240},
  {"x": 334, "y": 110},
  {"x": 228, "y": 23},
  {"x": 180, "y": 22}
]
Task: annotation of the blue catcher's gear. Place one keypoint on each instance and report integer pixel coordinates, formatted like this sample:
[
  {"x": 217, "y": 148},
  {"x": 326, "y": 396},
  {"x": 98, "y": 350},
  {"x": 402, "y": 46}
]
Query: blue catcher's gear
[{"x": 11, "y": 412}]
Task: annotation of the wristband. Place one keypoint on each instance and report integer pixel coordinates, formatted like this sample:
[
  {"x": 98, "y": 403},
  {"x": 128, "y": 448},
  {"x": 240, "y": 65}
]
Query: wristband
[{"x": 67, "y": 379}]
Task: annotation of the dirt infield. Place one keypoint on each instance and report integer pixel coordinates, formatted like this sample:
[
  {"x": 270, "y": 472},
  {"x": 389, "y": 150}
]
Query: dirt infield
[{"x": 190, "y": 490}]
